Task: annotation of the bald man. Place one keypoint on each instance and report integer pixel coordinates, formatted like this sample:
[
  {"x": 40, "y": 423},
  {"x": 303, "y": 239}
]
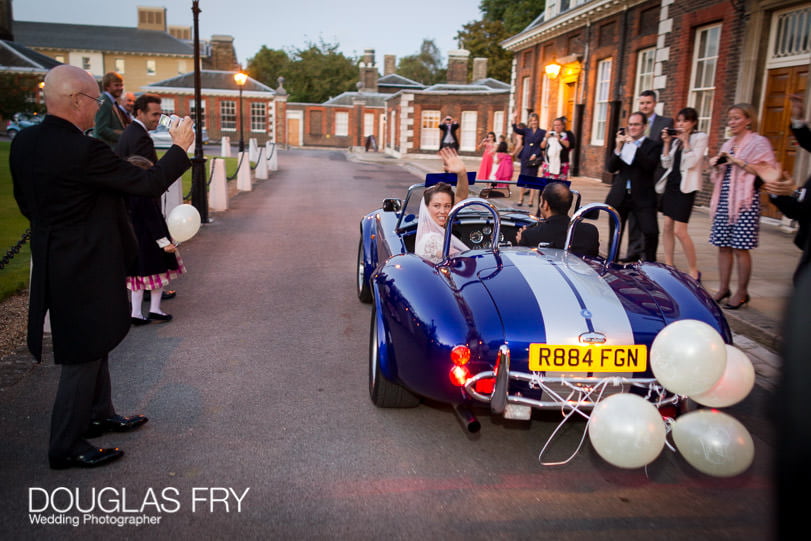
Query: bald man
[{"x": 72, "y": 189}]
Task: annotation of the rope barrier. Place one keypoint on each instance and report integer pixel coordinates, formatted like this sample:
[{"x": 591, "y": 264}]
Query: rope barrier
[
  {"x": 210, "y": 176},
  {"x": 259, "y": 157},
  {"x": 232, "y": 177},
  {"x": 14, "y": 250}
]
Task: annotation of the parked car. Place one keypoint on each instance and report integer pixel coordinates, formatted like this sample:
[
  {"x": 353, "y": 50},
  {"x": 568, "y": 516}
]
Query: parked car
[
  {"x": 520, "y": 328},
  {"x": 160, "y": 136},
  {"x": 21, "y": 121}
]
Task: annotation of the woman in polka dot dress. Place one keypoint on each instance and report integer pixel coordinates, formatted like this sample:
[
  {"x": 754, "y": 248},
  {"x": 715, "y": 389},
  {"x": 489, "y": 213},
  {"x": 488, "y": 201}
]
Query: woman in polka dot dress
[{"x": 735, "y": 203}]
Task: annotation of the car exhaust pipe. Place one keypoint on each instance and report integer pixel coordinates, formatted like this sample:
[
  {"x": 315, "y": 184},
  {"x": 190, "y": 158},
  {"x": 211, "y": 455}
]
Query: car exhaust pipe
[{"x": 467, "y": 419}]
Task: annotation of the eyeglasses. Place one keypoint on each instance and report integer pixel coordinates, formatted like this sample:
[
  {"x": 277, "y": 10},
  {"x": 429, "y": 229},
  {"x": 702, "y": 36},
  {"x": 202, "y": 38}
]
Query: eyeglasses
[
  {"x": 635, "y": 124},
  {"x": 99, "y": 101}
]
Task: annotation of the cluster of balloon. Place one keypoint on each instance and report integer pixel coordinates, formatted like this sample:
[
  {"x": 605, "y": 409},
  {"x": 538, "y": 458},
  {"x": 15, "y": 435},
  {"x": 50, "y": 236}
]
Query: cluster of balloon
[
  {"x": 183, "y": 222},
  {"x": 690, "y": 358},
  {"x": 626, "y": 430}
]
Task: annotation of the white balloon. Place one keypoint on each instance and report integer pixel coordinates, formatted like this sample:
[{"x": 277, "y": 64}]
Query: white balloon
[
  {"x": 183, "y": 222},
  {"x": 627, "y": 430},
  {"x": 688, "y": 357},
  {"x": 714, "y": 442},
  {"x": 735, "y": 384}
]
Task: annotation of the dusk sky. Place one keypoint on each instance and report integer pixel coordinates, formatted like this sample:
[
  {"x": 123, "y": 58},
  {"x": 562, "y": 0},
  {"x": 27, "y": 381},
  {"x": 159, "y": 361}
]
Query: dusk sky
[{"x": 389, "y": 27}]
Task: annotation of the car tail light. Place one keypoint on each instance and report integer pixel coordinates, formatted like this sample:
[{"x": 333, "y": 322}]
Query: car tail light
[
  {"x": 459, "y": 375},
  {"x": 460, "y": 355},
  {"x": 486, "y": 385}
]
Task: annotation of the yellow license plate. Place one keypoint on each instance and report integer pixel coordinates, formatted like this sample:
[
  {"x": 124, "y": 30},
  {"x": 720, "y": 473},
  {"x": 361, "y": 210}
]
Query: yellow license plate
[{"x": 550, "y": 358}]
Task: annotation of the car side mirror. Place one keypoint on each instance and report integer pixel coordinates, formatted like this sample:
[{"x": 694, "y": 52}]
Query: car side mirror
[{"x": 392, "y": 205}]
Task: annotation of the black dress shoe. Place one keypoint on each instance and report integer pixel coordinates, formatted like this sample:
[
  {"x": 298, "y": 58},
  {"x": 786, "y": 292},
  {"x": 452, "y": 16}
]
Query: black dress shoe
[
  {"x": 730, "y": 306},
  {"x": 90, "y": 459},
  {"x": 166, "y": 295},
  {"x": 162, "y": 318},
  {"x": 117, "y": 423},
  {"x": 137, "y": 321}
]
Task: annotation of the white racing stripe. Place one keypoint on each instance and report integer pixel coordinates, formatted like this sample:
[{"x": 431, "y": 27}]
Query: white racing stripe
[{"x": 563, "y": 317}]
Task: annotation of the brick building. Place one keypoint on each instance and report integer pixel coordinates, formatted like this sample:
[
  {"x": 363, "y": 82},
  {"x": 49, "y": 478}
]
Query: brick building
[{"x": 590, "y": 59}]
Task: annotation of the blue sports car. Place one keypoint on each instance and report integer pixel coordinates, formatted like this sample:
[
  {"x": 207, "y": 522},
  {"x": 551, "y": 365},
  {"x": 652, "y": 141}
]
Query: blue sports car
[{"x": 517, "y": 327}]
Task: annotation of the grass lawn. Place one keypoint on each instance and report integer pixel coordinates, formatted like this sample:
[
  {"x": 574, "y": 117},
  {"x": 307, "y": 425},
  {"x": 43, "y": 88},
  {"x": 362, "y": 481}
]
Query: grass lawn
[{"x": 14, "y": 277}]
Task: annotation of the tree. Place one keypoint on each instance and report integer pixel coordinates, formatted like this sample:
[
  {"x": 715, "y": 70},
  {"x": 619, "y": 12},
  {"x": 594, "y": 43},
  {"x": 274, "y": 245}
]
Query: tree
[
  {"x": 515, "y": 14},
  {"x": 17, "y": 94},
  {"x": 268, "y": 65},
  {"x": 425, "y": 67},
  {"x": 482, "y": 39}
]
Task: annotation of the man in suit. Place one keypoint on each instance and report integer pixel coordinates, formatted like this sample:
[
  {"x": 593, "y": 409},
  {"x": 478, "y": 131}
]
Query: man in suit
[
  {"x": 556, "y": 200},
  {"x": 71, "y": 188},
  {"x": 135, "y": 140},
  {"x": 127, "y": 101},
  {"x": 653, "y": 131},
  {"x": 634, "y": 161},
  {"x": 111, "y": 118},
  {"x": 792, "y": 200},
  {"x": 448, "y": 134}
]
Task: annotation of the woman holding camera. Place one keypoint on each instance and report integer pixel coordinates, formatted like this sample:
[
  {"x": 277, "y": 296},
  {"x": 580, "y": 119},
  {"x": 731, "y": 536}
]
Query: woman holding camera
[
  {"x": 682, "y": 157},
  {"x": 735, "y": 203},
  {"x": 557, "y": 146}
]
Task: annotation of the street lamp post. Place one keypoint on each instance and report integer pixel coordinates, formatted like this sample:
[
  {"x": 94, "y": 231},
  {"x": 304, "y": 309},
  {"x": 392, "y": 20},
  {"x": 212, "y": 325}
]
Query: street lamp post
[
  {"x": 240, "y": 79},
  {"x": 199, "y": 190}
]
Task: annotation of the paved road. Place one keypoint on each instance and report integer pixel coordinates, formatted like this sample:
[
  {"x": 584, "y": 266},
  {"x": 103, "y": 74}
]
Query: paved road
[{"x": 259, "y": 384}]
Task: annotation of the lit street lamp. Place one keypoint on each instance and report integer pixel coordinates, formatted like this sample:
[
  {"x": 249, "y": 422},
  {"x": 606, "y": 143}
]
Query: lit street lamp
[{"x": 240, "y": 79}]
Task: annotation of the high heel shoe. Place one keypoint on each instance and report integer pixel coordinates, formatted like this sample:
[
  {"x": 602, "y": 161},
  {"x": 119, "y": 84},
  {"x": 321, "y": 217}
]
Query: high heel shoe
[
  {"x": 726, "y": 295},
  {"x": 730, "y": 306}
]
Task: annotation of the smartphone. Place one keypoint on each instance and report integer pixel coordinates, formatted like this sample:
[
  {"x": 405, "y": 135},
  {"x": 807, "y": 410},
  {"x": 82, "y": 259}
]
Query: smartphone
[
  {"x": 721, "y": 160},
  {"x": 622, "y": 131},
  {"x": 167, "y": 120},
  {"x": 672, "y": 131}
]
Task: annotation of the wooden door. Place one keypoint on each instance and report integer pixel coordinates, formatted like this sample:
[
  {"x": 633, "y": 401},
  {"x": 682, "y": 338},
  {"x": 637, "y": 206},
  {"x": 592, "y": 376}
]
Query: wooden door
[
  {"x": 568, "y": 102},
  {"x": 293, "y": 128},
  {"x": 776, "y": 117}
]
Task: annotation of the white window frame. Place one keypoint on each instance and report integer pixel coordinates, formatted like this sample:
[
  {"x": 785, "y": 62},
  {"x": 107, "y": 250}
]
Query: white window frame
[
  {"x": 602, "y": 96},
  {"x": 429, "y": 130},
  {"x": 703, "y": 73},
  {"x": 526, "y": 86},
  {"x": 202, "y": 110},
  {"x": 645, "y": 70},
  {"x": 368, "y": 124},
  {"x": 341, "y": 124},
  {"x": 468, "y": 125},
  {"x": 543, "y": 118},
  {"x": 498, "y": 123},
  {"x": 120, "y": 66},
  {"x": 258, "y": 117},
  {"x": 392, "y": 132},
  {"x": 228, "y": 115},
  {"x": 151, "y": 67},
  {"x": 168, "y": 106}
]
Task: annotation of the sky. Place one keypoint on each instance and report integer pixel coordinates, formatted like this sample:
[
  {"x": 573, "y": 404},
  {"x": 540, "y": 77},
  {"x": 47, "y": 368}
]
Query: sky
[{"x": 387, "y": 26}]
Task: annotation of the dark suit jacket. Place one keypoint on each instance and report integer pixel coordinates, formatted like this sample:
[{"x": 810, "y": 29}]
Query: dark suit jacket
[
  {"x": 586, "y": 240},
  {"x": 659, "y": 123},
  {"x": 641, "y": 173},
  {"x": 135, "y": 141},
  {"x": 71, "y": 187},
  {"x": 444, "y": 128},
  {"x": 108, "y": 126}
]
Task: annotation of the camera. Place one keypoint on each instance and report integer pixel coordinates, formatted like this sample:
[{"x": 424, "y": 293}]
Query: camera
[
  {"x": 721, "y": 160},
  {"x": 168, "y": 120},
  {"x": 672, "y": 131},
  {"x": 622, "y": 131}
]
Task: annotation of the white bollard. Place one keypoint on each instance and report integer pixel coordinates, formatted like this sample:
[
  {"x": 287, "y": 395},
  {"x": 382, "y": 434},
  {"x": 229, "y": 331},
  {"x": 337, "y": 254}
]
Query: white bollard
[
  {"x": 261, "y": 171},
  {"x": 225, "y": 147},
  {"x": 172, "y": 197},
  {"x": 218, "y": 192},
  {"x": 253, "y": 150},
  {"x": 244, "y": 173},
  {"x": 272, "y": 156}
]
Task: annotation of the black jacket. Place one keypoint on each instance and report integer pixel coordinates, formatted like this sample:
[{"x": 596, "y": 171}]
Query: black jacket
[
  {"x": 72, "y": 187},
  {"x": 586, "y": 239},
  {"x": 641, "y": 173},
  {"x": 135, "y": 141}
]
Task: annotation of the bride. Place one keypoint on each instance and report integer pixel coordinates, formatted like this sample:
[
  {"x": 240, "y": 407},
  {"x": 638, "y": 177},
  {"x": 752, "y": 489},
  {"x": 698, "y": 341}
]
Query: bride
[{"x": 435, "y": 205}]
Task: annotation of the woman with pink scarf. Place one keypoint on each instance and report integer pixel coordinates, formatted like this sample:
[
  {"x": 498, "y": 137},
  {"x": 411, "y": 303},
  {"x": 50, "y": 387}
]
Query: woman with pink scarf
[{"x": 735, "y": 203}]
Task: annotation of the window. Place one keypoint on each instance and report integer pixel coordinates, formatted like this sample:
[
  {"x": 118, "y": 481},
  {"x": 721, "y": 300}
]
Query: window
[
  {"x": 258, "y": 117},
  {"x": 368, "y": 124},
  {"x": 193, "y": 109},
  {"x": 543, "y": 117},
  {"x": 151, "y": 69},
  {"x": 793, "y": 34},
  {"x": 392, "y": 133},
  {"x": 119, "y": 65},
  {"x": 168, "y": 105},
  {"x": 341, "y": 124},
  {"x": 86, "y": 63},
  {"x": 429, "y": 130},
  {"x": 228, "y": 115},
  {"x": 498, "y": 123},
  {"x": 645, "y": 60},
  {"x": 467, "y": 129},
  {"x": 601, "y": 98},
  {"x": 60, "y": 58},
  {"x": 702, "y": 79},
  {"x": 181, "y": 67},
  {"x": 525, "y": 89}
]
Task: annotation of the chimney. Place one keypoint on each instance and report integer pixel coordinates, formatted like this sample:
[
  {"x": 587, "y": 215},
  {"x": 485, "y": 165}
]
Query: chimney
[
  {"x": 223, "y": 55},
  {"x": 457, "y": 66},
  {"x": 6, "y": 19},
  {"x": 152, "y": 18},
  {"x": 368, "y": 72},
  {"x": 389, "y": 64},
  {"x": 479, "y": 69}
]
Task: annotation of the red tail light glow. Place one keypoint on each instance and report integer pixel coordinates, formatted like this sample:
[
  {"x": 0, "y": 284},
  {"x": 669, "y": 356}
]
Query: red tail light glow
[
  {"x": 486, "y": 385},
  {"x": 459, "y": 375},
  {"x": 460, "y": 355}
]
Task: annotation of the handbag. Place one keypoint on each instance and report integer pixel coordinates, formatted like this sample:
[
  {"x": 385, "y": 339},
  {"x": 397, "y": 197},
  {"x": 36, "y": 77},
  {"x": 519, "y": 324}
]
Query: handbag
[
  {"x": 662, "y": 183},
  {"x": 535, "y": 163}
]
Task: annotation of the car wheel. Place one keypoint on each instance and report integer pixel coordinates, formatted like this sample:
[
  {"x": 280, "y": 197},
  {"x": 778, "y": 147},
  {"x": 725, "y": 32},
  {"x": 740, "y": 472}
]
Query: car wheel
[
  {"x": 364, "y": 291},
  {"x": 11, "y": 134},
  {"x": 385, "y": 394}
]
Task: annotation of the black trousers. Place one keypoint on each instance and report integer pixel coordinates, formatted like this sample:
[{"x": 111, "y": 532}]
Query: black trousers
[
  {"x": 84, "y": 394},
  {"x": 647, "y": 223}
]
